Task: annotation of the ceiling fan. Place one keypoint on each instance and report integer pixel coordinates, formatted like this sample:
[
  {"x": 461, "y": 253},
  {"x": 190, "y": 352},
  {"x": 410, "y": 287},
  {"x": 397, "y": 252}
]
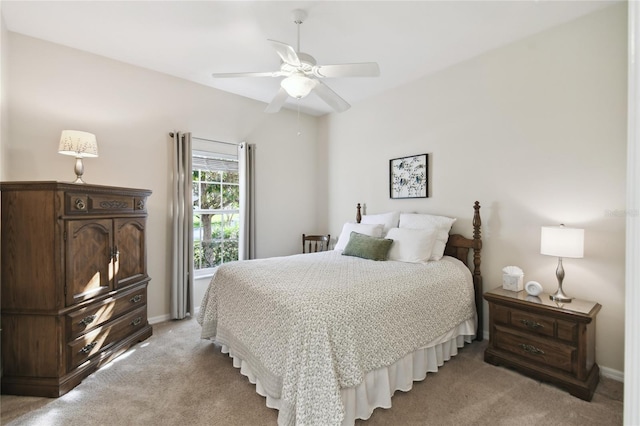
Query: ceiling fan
[{"x": 303, "y": 75}]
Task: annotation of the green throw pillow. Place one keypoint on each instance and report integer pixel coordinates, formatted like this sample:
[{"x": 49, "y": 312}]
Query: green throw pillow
[{"x": 366, "y": 247}]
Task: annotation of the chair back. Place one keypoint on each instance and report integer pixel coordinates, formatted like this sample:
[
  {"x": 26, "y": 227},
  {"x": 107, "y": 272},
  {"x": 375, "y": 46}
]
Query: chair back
[{"x": 315, "y": 243}]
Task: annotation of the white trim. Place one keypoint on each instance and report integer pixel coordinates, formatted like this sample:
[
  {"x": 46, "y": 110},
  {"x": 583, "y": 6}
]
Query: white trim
[
  {"x": 610, "y": 373},
  {"x": 632, "y": 268},
  {"x": 160, "y": 318}
]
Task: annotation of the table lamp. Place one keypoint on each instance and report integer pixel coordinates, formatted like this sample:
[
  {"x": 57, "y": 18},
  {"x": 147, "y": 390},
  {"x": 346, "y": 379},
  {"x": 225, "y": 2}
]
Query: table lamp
[
  {"x": 562, "y": 242},
  {"x": 80, "y": 145}
]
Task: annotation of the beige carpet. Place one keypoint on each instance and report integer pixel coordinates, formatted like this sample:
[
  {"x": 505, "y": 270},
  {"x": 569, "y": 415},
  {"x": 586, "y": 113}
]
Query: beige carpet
[{"x": 174, "y": 378}]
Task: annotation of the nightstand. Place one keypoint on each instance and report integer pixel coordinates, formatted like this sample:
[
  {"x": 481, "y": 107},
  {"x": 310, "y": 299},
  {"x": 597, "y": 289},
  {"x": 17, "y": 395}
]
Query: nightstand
[{"x": 545, "y": 340}]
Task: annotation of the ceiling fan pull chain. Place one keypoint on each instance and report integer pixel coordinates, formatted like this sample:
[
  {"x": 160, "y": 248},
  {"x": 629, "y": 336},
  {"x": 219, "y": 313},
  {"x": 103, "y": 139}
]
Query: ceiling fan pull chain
[{"x": 299, "y": 131}]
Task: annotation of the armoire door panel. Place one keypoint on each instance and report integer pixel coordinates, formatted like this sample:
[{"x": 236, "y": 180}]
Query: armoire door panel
[
  {"x": 89, "y": 259},
  {"x": 130, "y": 266}
]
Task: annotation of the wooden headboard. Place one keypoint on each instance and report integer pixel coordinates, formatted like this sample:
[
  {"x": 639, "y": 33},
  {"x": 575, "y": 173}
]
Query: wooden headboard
[{"x": 458, "y": 246}]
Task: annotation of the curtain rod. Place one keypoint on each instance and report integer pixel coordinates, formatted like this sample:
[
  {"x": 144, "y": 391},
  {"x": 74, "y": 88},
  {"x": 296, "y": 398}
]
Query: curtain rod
[{"x": 209, "y": 140}]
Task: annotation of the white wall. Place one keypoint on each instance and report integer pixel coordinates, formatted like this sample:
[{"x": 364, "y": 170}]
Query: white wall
[
  {"x": 536, "y": 131},
  {"x": 131, "y": 111}
]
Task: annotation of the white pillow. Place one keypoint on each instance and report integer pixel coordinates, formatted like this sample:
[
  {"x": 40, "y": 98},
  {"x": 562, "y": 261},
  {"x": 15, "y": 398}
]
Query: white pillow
[
  {"x": 373, "y": 230},
  {"x": 388, "y": 220},
  {"x": 411, "y": 245},
  {"x": 428, "y": 221}
]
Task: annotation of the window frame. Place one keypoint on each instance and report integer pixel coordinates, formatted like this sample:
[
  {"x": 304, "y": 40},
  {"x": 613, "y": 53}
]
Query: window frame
[{"x": 198, "y": 211}]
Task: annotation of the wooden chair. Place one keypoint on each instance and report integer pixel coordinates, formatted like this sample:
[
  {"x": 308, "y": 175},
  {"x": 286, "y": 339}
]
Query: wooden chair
[{"x": 315, "y": 243}]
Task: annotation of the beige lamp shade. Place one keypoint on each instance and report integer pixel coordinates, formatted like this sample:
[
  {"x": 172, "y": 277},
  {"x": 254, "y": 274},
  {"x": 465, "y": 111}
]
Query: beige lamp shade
[
  {"x": 78, "y": 144},
  {"x": 561, "y": 241}
]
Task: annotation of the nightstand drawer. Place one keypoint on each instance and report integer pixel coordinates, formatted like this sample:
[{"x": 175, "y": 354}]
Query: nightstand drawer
[
  {"x": 547, "y": 352},
  {"x": 536, "y": 323},
  {"x": 532, "y": 322}
]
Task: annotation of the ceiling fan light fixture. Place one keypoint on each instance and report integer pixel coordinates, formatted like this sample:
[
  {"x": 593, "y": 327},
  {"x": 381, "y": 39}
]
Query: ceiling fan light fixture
[{"x": 298, "y": 86}]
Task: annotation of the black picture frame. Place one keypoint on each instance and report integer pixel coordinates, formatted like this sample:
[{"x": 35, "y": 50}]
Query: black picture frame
[{"x": 409, "y": 177}]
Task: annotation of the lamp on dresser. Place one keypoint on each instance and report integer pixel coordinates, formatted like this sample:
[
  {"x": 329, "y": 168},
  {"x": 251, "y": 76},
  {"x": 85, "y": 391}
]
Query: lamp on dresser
[
  {"x": 78, "y": 144},
  {"x": 562, "y": 242}
]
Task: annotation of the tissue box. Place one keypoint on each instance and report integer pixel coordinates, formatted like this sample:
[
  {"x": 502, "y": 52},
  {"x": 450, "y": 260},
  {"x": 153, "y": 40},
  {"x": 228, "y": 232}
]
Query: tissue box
[{"x": 512, "y": 282}]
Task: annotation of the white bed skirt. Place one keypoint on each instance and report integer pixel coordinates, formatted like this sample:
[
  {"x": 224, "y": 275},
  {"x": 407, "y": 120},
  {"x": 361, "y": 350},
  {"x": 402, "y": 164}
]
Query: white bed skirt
[{"x": 378, "y": 386}]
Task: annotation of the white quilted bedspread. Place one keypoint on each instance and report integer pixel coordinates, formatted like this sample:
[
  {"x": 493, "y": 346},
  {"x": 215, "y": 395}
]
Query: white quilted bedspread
[{"x": 311, "y": 324}]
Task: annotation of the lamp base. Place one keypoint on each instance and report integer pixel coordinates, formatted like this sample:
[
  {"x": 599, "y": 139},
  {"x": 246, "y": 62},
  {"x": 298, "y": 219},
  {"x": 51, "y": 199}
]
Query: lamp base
[
  {"x": 79, "y": 169},
  {"x": 559, "y": 295},
  {"x": 562, "y": 299}
]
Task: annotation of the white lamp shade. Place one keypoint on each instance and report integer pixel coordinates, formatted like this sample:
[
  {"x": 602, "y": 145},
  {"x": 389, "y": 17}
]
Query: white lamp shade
[
  {"x": 298, "y": 86},
  {"x": 78, "y": 144},
  {"x": 561, "y": 241}
]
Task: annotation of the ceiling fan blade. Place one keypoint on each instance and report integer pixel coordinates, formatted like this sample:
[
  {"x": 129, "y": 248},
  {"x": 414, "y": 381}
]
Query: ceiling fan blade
[
  {"x": 365, "y": 69},
  {"x": 277, "y": 101},
  {"x": 330, "y": 97},
  {"x": 247, "y": 74},
  {"x": 287, "y": 53}
]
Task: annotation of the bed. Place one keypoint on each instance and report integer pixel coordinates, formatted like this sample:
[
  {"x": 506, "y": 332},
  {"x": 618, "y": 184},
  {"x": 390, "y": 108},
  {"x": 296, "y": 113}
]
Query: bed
[{"x": 328, "y": 337}]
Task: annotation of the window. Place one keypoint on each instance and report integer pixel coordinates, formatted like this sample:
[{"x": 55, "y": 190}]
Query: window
[{"x": 216, "y": 214}]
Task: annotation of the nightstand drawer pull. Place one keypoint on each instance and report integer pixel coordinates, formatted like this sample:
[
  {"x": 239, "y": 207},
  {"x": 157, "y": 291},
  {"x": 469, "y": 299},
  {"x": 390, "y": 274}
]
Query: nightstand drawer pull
[
  {"x": 87, "y": 320},
  {"x": 136, "y": 321},
  {"x": 136, "y": 298},
  {"x": 86, "y": 349},
  {"x": 531, "y": 324},
  {"x": 531, "y": 349}
]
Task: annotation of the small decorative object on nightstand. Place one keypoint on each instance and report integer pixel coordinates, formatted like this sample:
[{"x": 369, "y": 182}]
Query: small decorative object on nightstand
[
  {"x": 512, "y": 278},
  {"x": 533, "y": 288},
  {"x": 544, "y": 339}
]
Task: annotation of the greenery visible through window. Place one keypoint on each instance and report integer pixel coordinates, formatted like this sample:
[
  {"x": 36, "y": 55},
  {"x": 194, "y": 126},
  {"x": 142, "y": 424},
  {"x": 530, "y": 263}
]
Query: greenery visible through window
[{"x": 216, "y": 217}]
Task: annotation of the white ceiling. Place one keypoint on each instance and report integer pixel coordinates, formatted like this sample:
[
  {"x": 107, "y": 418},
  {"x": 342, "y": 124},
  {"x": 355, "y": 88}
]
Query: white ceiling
[{"x": 192, "y": 39}]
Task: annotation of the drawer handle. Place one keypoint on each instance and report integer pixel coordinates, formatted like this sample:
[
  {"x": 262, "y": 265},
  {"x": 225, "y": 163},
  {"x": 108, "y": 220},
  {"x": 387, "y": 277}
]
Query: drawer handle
[
  {"x": 87, "y": 320},
  {"x": 80, "y": 204},
  {"x": 86, "y": 349},
  {"x": 136, "y": 298},
  {"x": 136, "y": 321},
  {"x": 531, "y": 324},
  {"x": 531, "y": 349},
  {"x": 140, "y": 205}
]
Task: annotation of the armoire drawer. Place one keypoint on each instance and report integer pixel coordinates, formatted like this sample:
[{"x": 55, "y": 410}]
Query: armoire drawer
[
  {"x": 92, "y": 316},
  {"x": 92, "y": 343},
  {"x": 90, "y": 203}
]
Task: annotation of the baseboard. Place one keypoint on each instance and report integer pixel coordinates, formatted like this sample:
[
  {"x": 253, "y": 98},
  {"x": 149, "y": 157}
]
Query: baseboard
[
  {"x": 159, "y": 318},
  {"x": 607, "y": 372},
  {"x": 610, "y": 373},
  {"x": 167, "y": 317}
]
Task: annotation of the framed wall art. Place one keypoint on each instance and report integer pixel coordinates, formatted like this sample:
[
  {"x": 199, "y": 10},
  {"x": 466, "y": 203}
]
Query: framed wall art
[{"x": 409, "y": 177}]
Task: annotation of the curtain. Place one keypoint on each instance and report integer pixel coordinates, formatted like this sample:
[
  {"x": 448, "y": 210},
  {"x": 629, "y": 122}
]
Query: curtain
[
  {"x": 182, "y": 229},
  {"x": 246, "y": 245}
]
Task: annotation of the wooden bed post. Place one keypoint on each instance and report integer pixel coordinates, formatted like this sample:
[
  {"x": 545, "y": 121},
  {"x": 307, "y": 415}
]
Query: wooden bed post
[
  {"x": 358, "y": 214},
  {"x": 477, "y": 276}
]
